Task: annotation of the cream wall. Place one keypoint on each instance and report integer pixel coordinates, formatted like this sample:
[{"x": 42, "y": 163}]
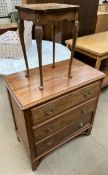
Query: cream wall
[
  {"x": 9, "y": 6},
  {"x": 7, "y": 20},
  {"x": 100, "y": 1}
]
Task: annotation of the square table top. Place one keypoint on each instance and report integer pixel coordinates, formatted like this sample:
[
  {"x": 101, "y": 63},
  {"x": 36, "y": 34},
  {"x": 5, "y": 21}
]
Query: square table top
[{"x": 46, "y": 7}]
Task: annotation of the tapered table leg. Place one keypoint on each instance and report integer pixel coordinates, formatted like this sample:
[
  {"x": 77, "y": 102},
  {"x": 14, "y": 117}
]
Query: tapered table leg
[
  {"x": 75, "y": 34},
  {"x": 21, "y": 35},
  {"x": 98, "y": 63},
  {"x": 39, "y": 36},
  {"x": 53, "y": 40}
]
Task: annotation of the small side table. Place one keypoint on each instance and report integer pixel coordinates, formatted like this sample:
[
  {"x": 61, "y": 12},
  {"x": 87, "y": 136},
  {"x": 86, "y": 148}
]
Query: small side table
[
  {"x": 42, "y": 14},
  {"x": 94, "y": 46}
]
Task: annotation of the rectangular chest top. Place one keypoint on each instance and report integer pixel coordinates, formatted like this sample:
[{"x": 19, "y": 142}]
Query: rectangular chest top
[
  {"x": 46, "y": 8},
  {"x": 56, "y": 82}
]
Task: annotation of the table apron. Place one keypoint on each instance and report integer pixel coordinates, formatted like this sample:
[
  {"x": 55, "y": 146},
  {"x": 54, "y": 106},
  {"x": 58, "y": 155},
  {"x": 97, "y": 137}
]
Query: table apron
[{"x": 45, "y": 19}]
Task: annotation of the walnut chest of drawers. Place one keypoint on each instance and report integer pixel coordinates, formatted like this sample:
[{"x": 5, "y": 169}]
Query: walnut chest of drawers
[{"x": 46, "y": 119}]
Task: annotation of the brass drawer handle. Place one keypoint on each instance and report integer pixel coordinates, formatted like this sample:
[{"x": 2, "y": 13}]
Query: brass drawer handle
[
  {"x": 84, "y": 111},
  {"x": 49, "y": 143},
  {"x": 50, "y": 128},
  {"x": 49, "y": 112},
  {"x": 81, "y": 124},
  {"x": 87, "y": 94}
]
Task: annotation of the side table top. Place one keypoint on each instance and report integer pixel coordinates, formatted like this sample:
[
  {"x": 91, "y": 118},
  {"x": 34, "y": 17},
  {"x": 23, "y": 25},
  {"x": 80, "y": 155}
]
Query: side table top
[
  {"x": 46, "y": 7},
  {"x": 56, "y": 82},
  {"x": 96, "y": 44}
]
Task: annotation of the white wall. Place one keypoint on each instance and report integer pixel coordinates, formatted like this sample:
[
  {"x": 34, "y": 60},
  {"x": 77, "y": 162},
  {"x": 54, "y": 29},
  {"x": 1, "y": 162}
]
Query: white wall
[
  {"x": 100, "y": 1},
  {"x": 9, "y": 6},
  {"x": 4, "y": 20}
]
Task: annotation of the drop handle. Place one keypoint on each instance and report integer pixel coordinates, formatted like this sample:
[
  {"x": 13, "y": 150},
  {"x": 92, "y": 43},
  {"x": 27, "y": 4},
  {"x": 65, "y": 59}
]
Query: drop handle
[
  {"x": 84, "y": 111},
  {"x": 49, "y": 112},
  {"x": 87, "y": 94},
  {"x": 49, "y": 143},
  {"x": 81, "y": 124},
  {"x": 50, "y": 128}
]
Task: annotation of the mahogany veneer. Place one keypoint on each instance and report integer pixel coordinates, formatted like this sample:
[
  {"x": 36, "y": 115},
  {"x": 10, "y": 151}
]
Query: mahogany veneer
[
  {"x": 48, "y": 13},
  {"x": 65, "y": 108},
  {"x": 87, "y": 16}
]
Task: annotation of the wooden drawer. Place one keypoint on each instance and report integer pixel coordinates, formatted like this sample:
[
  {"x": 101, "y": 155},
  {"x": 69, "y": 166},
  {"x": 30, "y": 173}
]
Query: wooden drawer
[
  {"x": 60, "y": 104},
  {"x": 65, "y": 119},
  {"x": 64, "y": 135}
]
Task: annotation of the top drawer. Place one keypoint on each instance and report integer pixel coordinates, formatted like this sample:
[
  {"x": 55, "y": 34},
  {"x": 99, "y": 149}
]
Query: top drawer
[{"x": 60, "y": 104}]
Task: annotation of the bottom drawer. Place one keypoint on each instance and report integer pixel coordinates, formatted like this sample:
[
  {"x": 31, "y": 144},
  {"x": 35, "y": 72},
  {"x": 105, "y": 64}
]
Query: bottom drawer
[{"x": 62, "y": 135}]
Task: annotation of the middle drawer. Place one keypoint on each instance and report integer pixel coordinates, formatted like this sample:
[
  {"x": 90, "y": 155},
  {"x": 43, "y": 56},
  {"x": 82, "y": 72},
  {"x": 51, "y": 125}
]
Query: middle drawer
[{"x": 65, "y": 119}]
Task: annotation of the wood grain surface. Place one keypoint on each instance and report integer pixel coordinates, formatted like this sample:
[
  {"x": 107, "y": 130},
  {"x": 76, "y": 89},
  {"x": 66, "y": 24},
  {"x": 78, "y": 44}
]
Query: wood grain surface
[
  {"x": 54, "y": 107},
  {"x": 41, "y": 135},
  {"x": 94, "y": 44},
  {"x": 46, "y": 7},
  {"x": 56, "y": 82}
]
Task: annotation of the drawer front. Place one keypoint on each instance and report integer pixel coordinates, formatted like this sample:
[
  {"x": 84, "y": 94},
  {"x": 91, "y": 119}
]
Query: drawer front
[
  {"x": 54, "y": 107},
  {"x": 63, "y": 135},
  {"x": 67, "y": 118}
]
